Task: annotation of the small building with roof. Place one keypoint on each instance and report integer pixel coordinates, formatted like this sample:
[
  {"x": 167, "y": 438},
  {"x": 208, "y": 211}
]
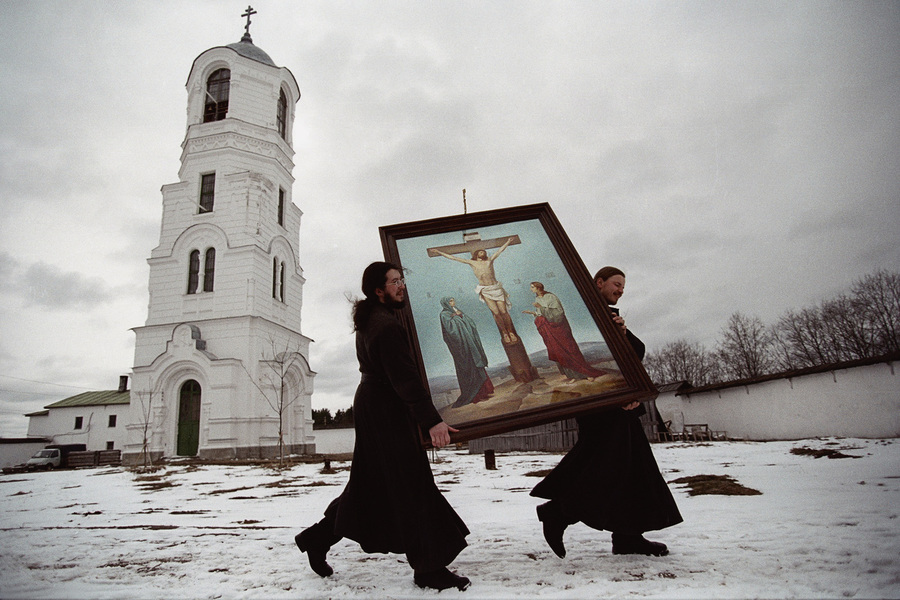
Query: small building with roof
[{"x": 95, "y": 419}]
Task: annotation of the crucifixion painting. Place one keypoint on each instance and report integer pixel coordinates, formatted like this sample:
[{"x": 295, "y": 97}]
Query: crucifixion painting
[
  {"x": 487, "y": 365},
  {"x": 491, "y": 292}
]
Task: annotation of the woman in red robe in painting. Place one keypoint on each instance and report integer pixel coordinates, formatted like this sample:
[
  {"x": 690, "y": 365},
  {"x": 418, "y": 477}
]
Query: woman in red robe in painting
[{"x": 550, "y": 320}]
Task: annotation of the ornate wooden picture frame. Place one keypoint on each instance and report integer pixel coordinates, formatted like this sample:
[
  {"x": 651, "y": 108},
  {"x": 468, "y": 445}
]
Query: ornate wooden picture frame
[{"x": 506, "y": 322}]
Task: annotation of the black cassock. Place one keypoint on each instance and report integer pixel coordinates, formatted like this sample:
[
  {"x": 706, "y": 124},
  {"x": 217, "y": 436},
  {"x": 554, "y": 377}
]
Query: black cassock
[
  {"x": 609, "y": 479},
  {"x": 391, "y": 503}
]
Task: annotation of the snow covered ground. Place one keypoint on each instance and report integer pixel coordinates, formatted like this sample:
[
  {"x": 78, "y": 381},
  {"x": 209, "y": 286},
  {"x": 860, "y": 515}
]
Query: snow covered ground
[{"x": 821, "y": 528}]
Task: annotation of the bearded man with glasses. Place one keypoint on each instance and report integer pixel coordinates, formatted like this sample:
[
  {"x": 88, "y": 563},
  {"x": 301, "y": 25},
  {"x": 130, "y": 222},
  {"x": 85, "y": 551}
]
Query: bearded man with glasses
[{"x": 391, "y": 503}]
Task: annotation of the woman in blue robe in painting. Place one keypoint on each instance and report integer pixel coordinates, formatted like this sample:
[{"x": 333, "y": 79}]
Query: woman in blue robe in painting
[{"x": 461, "y": 337}]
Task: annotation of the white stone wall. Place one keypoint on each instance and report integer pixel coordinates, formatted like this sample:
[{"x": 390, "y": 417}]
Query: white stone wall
[
  {"x": 17, "y": 452},
  {"x": 855, "y": 402}
]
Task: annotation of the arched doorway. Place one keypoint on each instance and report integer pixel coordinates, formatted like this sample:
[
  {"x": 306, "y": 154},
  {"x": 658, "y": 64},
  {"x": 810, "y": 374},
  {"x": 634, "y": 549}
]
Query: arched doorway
[{"x": 188, "y": 419}]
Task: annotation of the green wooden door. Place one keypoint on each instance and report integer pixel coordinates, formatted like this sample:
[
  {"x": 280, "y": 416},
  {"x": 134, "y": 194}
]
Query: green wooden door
[{"x": 189, "y": 419}]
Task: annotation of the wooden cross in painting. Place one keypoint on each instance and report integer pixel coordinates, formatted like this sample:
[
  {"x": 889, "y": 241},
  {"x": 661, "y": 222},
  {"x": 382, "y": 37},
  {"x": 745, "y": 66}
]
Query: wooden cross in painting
[{"x": 491, "y": 292}]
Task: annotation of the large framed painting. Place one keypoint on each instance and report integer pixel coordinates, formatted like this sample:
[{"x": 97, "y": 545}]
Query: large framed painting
[{"x": 507, "y": 324}]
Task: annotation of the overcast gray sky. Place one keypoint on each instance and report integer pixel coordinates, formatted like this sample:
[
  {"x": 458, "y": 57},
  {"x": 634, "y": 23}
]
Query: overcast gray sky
[{"x": 729, "y": 156}]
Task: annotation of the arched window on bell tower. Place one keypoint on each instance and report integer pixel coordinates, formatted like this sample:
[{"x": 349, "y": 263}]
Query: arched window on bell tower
[
  {"x": 282, "y": 115},
  {"x": 193, "y": 272},
  {"x": 208, "y": 274},
  {"x": 209, "y": 270},
  {"x": 278, "y": 274},
  {"x": 217, "y": 87}
]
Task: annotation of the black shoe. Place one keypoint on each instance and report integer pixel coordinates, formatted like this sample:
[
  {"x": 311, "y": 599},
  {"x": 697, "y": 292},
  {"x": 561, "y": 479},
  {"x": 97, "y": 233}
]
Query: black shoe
[
  {"x": 442, "y": 579},
  {"x": 637, "y": 544},
  {"x": 315, "y": 555},
  {"x": 554, "y": 527}
]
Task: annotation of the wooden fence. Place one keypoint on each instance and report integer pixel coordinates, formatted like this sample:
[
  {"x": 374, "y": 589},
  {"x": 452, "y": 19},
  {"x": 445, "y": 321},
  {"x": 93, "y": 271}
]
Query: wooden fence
[
  {"x": 96, "y": 458},
  {"x": 559, "y": 436},
  {"x": 552, "y": 437}
]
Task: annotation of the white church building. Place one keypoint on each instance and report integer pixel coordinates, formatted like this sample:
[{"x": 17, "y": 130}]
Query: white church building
[{"x": 221, "y": 367}]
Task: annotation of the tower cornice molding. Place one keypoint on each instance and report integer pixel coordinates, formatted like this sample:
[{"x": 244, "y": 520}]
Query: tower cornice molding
[{"x": 233, "y": 140}]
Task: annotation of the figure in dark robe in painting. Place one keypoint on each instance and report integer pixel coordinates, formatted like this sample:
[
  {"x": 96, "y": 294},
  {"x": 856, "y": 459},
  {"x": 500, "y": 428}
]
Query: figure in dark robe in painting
[
  {"x": 461, "y": 337},
  {"x": 551, "y": 322}
]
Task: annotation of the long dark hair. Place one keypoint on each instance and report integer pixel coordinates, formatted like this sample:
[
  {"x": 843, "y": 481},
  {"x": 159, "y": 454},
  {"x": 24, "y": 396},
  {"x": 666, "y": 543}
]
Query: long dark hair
[
  {"x": 374, "y": 277},
  {"x": 607, "y": 272}
]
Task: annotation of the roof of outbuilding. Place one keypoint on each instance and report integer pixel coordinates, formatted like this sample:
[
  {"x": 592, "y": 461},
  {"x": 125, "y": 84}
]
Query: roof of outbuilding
[{"x": 94, "y": 399}]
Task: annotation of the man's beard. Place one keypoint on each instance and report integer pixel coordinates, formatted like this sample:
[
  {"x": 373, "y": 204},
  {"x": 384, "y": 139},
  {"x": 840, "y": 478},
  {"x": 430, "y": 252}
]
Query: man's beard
[{"x": 394, "y": 304}]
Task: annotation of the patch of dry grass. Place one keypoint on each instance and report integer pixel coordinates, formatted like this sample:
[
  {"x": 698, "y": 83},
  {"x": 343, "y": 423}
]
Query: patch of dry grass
[
  {"x": 819, "y": 453},
  {"x": 282, "y": 483},
  {"x": 316, "y": 484},
  {"x": 229, "y": 491},
  {"x": 541, "y": 473},
  {"x": 152, "y": 486},
  {"x": 722, "y": 485}
]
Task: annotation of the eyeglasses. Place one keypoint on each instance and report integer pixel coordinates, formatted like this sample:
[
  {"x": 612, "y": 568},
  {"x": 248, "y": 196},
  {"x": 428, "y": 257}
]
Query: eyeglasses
[{"x": 397, "y": 282}]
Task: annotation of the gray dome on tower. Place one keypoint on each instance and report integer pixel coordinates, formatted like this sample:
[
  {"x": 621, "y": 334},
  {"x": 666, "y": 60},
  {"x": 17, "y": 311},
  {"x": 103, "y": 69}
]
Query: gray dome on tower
[{"x": 246, "y": 49}]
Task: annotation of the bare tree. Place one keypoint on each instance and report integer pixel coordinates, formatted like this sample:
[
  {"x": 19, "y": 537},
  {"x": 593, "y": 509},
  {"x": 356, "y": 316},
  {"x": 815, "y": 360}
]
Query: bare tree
[
  {"x": 782, "y": 349},
  {"x": 145, "y": 398},
  {"x": 747, "y": 348},
  {"x": 280, "y": 386},
  {"x": 683, "y": 361},
  {"x": 803, "y": 334},
  {"x": 864, "y": 324},
  {"x": 848, "y": 329},
  {"x": 878, "y": 296}
]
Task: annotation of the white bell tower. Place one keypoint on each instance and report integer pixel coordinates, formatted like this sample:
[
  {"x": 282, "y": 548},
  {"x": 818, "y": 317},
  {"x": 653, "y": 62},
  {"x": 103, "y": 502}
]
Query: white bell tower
[{"x": 221, "y": 368}]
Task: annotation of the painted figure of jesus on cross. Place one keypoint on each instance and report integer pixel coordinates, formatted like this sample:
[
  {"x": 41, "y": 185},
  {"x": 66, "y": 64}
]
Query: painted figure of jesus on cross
[
  {"x": 491, "y": 292},
  {"x": 489, "y": 289}
]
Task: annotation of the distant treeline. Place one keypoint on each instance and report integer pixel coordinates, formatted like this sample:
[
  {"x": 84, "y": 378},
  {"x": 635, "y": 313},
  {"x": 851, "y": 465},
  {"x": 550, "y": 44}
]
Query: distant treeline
[
  {"x": 322, "y": 418},
  {"x": 862, "y": 323}
]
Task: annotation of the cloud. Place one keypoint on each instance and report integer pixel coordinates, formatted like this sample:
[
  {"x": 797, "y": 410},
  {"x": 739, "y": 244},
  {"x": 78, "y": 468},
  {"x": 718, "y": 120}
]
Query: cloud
[{"x": 46, "y": 286}]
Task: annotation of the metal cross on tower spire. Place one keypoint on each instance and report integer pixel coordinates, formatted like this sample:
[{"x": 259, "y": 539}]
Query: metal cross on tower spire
[{"x": 247, "y": 14}]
